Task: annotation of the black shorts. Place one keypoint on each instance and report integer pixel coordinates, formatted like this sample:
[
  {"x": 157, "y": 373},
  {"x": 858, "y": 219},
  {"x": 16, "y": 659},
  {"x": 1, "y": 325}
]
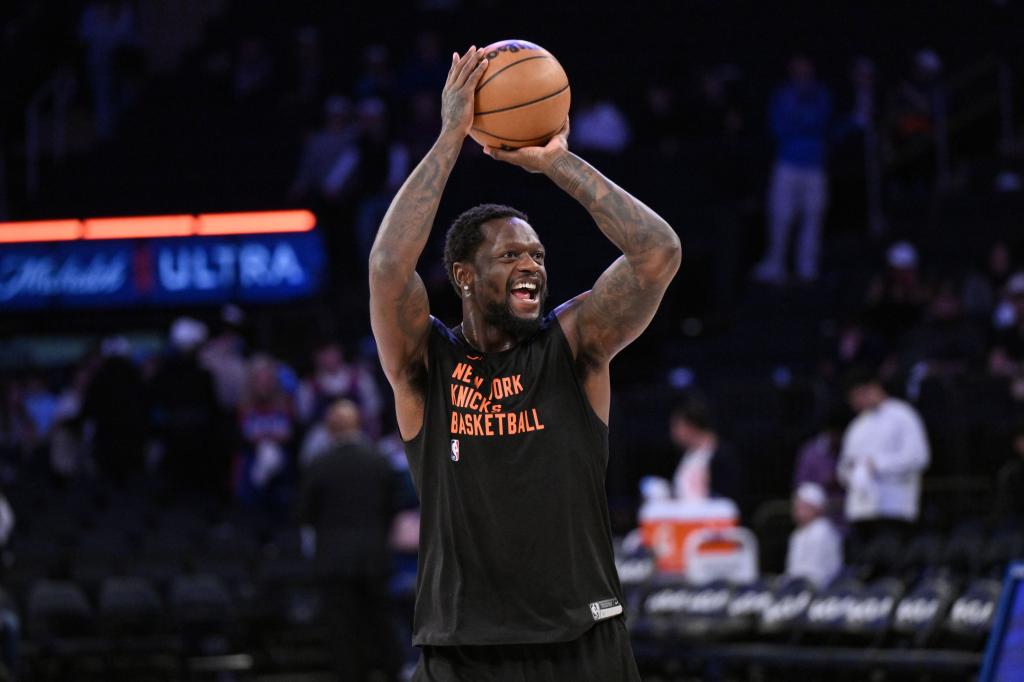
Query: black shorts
[{"x": 602, "y": 654}]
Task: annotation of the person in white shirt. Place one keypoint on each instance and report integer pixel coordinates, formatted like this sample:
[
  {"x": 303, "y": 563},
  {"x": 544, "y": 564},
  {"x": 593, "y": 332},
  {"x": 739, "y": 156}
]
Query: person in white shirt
[
  {"x": 708, "y": 468},
  {"x": 884, "y": 452},
  {"x": 815, "y": 547}
]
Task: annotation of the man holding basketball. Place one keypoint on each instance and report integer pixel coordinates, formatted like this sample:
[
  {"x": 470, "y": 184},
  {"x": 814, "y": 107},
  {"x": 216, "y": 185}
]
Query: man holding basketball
[{"x": 504, "y": 417}]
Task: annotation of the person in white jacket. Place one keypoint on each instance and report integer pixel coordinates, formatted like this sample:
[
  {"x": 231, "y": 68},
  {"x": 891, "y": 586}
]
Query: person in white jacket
[
  {"x": 815, "y": 547},
  {"x": 884, "y": 453}
]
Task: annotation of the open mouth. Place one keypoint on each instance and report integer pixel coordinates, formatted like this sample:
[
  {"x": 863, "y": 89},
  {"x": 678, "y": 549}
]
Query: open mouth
[{"x": 525, "y": 291}]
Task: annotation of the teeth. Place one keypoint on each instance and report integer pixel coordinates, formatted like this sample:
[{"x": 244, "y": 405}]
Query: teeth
[{"x": 526, "y": 285}]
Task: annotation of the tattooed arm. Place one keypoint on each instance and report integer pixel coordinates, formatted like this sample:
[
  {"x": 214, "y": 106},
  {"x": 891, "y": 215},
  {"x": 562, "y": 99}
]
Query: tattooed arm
[
  {"x": 601, "y": 322},
  {"x": 399, "y": 310}
]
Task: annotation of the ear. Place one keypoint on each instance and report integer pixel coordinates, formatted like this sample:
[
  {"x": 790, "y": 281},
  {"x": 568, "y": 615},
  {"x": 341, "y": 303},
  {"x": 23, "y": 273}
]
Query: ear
[{"x": 463, "y": 273}]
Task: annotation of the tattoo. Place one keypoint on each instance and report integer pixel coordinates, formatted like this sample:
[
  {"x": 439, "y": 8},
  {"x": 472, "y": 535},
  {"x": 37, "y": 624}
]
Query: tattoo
[{"x": 627, "y": 295}]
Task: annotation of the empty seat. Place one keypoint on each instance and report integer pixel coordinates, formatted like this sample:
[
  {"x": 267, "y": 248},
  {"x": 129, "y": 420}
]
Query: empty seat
[
  {"x": 58, "y": 609},
  {"x": 129, "y": 606},
  {"x": 782, "y": 619},
  {"x": 200, "y": 599},
  {"x": 869, "y": 614},
  {"x": 970, "y": 616},
  {"x": 919, "y": 614},
  {"x": 826, "y": 614}
]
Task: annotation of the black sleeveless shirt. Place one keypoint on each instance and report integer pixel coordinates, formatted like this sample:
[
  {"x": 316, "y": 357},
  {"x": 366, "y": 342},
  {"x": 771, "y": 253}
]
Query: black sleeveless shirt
[{"x": 515, "y": 539}]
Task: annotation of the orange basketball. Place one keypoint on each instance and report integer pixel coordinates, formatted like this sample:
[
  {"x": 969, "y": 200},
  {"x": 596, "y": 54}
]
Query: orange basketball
[{"x": 522, "y": 98}]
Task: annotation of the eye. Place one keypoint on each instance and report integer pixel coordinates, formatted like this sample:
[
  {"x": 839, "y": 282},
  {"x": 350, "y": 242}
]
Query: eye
[
  {"x": 538, "y": 256},
  {"x": 510, "y": 254}
]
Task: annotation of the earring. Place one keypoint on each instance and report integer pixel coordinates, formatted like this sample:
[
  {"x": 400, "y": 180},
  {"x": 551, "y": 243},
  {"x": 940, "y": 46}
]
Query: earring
[{"x": 465, "y": 287}]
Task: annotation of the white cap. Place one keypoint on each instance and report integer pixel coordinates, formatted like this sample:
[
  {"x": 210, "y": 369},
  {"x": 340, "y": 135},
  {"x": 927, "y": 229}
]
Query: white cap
[
  {"x": 812, "y": 494},
  {"x": 187, "y": 334},
  {"x": 901, "y": 255}
]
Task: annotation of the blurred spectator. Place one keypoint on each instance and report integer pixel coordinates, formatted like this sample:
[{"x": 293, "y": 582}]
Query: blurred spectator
[
  {"x": 40, "y": 406},
  {"x": 267, "y": 423},
  {"x": 369, "y": 172},
  {"x": 917, "y": 124},
  {"x": 984, "y": 285},
  {"x": 1009, "y": 506},
  {"x": 224, "y": 357},
  {"x": 322, "y": 150},
  {"x": 67, "y": 444},
  {"x": 309, "y": 67},
  {"x": 599, "y": 125},
  {"x": 658, "y": 120},
  {"x": 426, "y": 69},
  {"x": 897, "y": 300},
  {"x": 947, "y": 341},
  {"x": 799, "y": 116},
  {"x": 349, "y": 498},
  {"x": 815, "y": 547},
  {"x": 884, "y": 452},
  {"x": 708, "y": 468},
  {"x": 817, "y": 463},
  {"x": 333, "y": 378},
  {"x": 377, "y": 81},
  {"x": 116, "y": 408},
  {"x": 855, "y": 162},
  {"x": 185, "y": 416},
  {"x": 254, "y": 69},
  {"x": 105, "y": 27}
]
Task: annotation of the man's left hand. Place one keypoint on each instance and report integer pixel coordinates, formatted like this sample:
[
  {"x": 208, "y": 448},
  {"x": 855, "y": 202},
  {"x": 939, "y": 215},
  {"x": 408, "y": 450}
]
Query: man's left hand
[{"x": 535, "y": 159}]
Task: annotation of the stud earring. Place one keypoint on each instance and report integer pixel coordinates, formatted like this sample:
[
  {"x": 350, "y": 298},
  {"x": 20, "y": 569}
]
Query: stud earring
[{"x": 465, "y": 287}]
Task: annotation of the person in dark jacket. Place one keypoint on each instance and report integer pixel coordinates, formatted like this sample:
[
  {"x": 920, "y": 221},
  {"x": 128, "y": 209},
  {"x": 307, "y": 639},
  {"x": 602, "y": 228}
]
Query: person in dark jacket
[
  {"x": 709, "y": 466},
  {"x": 348, "y": 499}
]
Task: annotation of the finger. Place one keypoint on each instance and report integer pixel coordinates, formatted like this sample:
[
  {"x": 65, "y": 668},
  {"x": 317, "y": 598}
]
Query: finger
[
  {"x": 451, "y": 69},
  {"x": 466, "y": 62},
  {"x": 471, "y": 61},
  {"x": 477, "y": 73}
]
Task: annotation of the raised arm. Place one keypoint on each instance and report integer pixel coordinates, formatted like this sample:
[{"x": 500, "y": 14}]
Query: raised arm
[
  {"x": 399, "y": 311},
  {"x": 603, "y": 321}
]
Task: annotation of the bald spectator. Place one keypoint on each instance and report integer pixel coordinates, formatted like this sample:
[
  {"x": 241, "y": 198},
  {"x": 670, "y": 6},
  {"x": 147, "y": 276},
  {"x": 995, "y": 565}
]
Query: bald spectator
[{"x": 348, "y": 499}]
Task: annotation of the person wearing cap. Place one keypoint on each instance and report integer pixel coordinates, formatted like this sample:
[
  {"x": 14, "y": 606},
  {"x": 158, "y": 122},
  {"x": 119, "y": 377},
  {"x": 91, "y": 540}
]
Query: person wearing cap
[
  {"x": 815, "y": 547},
  {"x": 884, "y": 453},
  {"x": 896, "y": 300}
]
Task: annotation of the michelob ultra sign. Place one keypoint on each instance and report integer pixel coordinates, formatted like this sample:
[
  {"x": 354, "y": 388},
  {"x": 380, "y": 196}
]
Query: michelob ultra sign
[{"x": 264, "y": 256}]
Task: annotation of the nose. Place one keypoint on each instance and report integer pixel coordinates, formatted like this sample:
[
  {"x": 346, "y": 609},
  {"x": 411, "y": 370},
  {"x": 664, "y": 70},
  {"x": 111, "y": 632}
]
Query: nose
[{"x": 527, "y": 263}]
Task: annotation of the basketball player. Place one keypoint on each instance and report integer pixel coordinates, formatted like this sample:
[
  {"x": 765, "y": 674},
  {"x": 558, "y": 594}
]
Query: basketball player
[{"x": 505, "y": 416}]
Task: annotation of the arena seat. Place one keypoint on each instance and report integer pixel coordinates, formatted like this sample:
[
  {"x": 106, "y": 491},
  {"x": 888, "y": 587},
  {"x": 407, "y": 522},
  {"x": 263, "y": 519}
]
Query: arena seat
[
  {"x": 748, "y": 603},
  {"x": 920, "y": 613},
  {"x": 1005, "y": 545},
  {"x": 826, "y": 614},
  {"x": 869, "y": 615},
  {"x": 963, "y": 549},
  {"x": 970, "y": 617},
  {"x": 58, "y": 609},
  {"x": 921, "y": 556},
  {"x": 129, "y": 606},
  {"x": 783, "y": 618}
]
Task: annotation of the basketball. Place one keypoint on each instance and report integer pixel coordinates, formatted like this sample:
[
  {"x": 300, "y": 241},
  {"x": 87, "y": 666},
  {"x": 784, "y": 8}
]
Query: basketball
[{"x": 522, "y": 98}]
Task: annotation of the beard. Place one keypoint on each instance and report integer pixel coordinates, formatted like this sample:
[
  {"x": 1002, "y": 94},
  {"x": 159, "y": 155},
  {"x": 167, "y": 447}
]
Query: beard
[{"x": 500, "y": 315}]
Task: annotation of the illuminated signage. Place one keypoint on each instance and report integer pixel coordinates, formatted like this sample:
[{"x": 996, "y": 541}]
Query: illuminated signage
[{"x": 170, "y": 271}]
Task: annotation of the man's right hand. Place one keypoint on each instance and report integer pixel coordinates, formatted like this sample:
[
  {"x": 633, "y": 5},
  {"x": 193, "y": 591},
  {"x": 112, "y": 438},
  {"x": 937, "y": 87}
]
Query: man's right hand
[{"x": 459, "y": 90}]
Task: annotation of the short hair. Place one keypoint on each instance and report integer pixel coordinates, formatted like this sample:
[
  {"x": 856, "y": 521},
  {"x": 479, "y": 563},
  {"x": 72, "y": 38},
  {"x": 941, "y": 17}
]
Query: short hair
[
  {"x": 464, "y": 236},
  {"x": 860, "y": 376},
  {"x": 695, "y": 410}
]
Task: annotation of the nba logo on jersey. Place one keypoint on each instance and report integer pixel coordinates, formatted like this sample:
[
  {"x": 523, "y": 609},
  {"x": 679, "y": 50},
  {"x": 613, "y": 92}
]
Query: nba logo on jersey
[{"x": 455, "y": 449}]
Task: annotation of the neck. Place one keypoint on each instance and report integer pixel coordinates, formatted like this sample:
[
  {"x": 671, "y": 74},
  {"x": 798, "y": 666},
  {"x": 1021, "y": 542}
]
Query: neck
[
  {"x": 706, "y": 439},
  {"x": 482, "y": 336}
]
